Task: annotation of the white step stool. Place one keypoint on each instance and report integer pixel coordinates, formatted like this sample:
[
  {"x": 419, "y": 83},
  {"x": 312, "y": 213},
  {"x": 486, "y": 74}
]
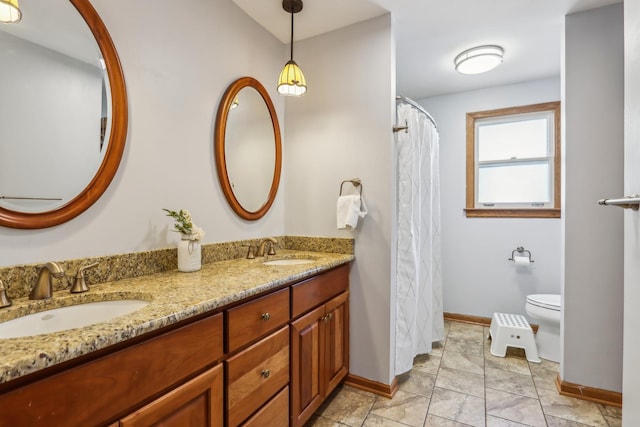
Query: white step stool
[{"x": 512, "y": 330}]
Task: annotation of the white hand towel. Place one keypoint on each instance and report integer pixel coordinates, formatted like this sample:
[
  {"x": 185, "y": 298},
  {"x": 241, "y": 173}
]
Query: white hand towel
[{"x": 348, "y": 211}]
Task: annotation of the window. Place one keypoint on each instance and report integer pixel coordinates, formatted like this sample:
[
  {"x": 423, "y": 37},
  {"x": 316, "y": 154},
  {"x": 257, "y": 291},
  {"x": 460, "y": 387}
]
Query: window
[{"x": 513, "y": 162}]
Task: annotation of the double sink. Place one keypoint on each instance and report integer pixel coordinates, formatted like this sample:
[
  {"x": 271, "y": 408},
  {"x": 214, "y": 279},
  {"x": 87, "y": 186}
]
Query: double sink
[{"x": 86, "y": 314}]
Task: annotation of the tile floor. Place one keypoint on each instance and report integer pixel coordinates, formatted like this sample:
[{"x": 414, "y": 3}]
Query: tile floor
[{"x": 462, "y": 384}]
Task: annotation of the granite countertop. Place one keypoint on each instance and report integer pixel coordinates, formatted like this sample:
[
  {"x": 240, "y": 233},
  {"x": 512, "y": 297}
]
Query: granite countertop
[{"x": 173, "y": 296}]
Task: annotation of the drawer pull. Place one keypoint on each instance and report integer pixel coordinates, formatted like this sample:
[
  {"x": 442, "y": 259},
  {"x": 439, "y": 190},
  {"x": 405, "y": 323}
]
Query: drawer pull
[
  {"x": 265, "y": 316},
  {"x": 265, "y": 373}
]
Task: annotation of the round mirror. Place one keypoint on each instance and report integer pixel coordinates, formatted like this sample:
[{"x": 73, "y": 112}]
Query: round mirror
[
  {"x": 248, "y": 148},
  {"x": 63, "y": 113}
]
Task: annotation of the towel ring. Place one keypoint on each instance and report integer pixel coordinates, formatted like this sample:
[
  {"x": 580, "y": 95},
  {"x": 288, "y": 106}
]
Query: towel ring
[{"x": 355, "y": 182}]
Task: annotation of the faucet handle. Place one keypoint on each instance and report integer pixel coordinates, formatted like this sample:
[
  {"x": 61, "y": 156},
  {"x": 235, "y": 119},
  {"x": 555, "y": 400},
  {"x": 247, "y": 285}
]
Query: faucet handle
[
  {"x": 79, "y": 284},
  {"x": 272, "y": 249},
  {"x": 250, "y": 252},
  {"x": 4, "y": 299}
]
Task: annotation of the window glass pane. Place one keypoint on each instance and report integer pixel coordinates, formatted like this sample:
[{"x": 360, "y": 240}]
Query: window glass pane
[
  {"x": 516, "y": 139},
  {"x": 514, "y": 183}
]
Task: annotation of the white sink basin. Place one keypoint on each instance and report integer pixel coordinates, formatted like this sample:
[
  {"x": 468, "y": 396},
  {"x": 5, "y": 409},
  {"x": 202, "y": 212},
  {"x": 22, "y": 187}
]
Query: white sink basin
[
  {"x": 289, "y": 261},
  {"x": 70, "y": 317}
]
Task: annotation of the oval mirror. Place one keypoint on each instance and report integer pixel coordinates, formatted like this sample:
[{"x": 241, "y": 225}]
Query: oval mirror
[
  {"x": 63, "y": 113},
  {"x": 248, "y": 148}
]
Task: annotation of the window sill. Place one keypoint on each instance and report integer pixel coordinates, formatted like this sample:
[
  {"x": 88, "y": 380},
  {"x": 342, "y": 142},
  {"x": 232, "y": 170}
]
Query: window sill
[{"x": 512, "y": 213}]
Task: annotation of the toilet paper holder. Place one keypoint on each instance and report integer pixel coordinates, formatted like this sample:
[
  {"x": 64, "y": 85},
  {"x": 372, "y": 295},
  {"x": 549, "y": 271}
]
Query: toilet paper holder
[{"x": 522, "y": 252}]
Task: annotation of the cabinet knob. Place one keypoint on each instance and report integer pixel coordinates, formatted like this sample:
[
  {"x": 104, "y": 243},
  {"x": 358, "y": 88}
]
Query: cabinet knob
[
  {"x": 327, "y": 317},
  {"x": 265, "y": 316},
  {"x": 265, "y": 373}
]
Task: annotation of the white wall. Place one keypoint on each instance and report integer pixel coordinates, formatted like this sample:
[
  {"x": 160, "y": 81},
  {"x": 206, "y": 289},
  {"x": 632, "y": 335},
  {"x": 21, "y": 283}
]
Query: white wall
[
  {"x": 593, "y": 237},
  {"x": 177, "y": 63},
  {"x": 477, "y": 278},
  {"x": 339, "y": 130}
]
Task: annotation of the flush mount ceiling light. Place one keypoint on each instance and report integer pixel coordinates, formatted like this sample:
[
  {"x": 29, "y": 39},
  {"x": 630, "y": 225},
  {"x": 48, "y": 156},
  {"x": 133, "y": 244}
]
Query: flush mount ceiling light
[
  {"x": 479, "y": 59},
  {"x": 292, "y": 81},
  {"x": 10, "y": 11}
]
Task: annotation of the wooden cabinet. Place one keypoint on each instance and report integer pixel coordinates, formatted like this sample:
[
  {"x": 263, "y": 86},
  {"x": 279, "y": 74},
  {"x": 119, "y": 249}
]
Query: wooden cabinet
[
  {"x": 306, "y": 395},
  {"x": 96, "y": 392},
  {"x": 336, "y": 331},
  {"x": 318, "y": 290},
  {"x": 256, "y": 374},
  {"x": 319, "y": 342},
  {"x": 254, "y": 319},
  {"x": 197, "y": 403},
  {"x": 273, "y": 414},
  {"x": 248, "y": 365}
]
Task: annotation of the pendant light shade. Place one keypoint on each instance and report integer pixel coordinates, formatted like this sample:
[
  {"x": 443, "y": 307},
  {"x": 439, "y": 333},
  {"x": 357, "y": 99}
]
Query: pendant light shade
[
  {"x": 292, "y": 81},
  {"x": 10, "y": 11}
]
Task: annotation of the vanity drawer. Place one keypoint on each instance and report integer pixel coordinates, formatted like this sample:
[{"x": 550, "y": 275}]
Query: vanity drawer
[
  {"x": 256, "y": 318},
  {"x": 318, "y": 290},
  {"x": 256, "y": 374},
  {"x": 273, "y": 414}
]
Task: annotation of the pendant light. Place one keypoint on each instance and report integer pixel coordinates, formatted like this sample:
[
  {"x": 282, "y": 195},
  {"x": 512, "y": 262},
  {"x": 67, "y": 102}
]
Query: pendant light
[
  {"x": 292, "y": 81},
  {"x": 10, "y": 11}
]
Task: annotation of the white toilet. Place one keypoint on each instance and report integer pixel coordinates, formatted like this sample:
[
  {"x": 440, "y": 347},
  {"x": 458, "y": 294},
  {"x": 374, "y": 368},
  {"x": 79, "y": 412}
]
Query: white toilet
[{"x": 544, "y": 309}]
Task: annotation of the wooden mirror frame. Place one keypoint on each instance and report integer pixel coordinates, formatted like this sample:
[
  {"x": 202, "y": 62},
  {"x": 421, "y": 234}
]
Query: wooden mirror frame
[
  {"x": 115, "y": 146},
  {"x": 219, "y": 147}
]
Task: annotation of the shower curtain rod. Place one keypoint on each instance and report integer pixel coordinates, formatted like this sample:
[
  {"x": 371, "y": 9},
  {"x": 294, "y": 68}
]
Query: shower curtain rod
[{"x": 418, "y": 106}]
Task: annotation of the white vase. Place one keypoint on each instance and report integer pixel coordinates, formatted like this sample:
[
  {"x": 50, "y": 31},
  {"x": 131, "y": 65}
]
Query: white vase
[{"x": 189, "y": 254}]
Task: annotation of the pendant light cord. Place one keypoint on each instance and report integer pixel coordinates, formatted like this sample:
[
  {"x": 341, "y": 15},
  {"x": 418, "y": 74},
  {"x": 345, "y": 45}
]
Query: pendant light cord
[{"x": 292, "y": 36}]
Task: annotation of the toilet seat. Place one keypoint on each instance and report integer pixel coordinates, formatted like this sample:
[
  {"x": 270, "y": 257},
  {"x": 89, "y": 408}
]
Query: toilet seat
[{"x": 546, "y": 301}]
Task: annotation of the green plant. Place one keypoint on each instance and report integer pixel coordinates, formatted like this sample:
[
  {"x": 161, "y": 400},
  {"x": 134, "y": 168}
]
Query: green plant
[{"x": 184, "y": 224}]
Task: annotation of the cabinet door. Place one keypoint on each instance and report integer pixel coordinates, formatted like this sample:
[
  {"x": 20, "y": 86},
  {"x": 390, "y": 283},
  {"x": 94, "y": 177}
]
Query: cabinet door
[
  {"x": 306, "y": 351},
  {"x": 336, "y": 336},
  {"x": 197, "y": 403}
]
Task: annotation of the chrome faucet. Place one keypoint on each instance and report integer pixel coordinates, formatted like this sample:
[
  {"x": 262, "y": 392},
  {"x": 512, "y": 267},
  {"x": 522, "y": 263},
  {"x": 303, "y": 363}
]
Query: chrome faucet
[
  {"x": 43, "y": 288},
  {"x": 263, "y": 243}
]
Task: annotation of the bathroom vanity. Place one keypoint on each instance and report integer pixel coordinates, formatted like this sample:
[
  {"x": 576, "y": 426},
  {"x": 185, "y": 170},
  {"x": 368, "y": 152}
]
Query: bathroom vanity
[{"x": 264, "y": 355}]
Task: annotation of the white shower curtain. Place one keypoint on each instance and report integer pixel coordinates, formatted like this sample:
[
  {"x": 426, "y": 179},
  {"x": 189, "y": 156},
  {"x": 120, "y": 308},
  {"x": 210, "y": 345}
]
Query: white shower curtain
[{"x": 419, "y": 316}]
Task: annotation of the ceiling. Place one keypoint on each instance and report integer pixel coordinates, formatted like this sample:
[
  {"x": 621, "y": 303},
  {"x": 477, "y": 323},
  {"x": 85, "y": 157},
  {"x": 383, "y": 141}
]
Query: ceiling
[{"x": 430, "y": 33}]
